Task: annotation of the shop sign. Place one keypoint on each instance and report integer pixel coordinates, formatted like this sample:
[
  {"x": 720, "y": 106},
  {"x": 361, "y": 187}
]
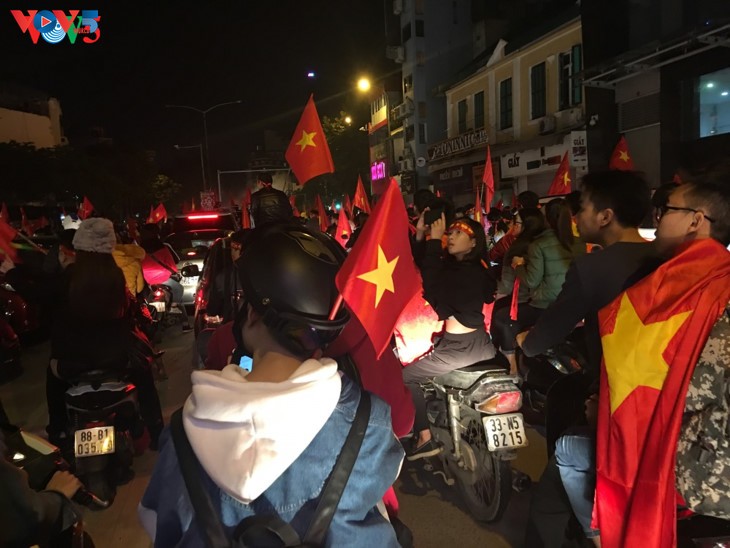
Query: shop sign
[
  {"x": 578, "y": 149},
  {"x": 528, "y": 162},
  {"x": 456, "y": 145}
]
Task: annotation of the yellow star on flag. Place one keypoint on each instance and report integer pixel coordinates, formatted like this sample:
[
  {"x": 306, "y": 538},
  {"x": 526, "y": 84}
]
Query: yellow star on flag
[
  {"x": 382, "y": 276},
  {"x": 633, "y": 352},
  {"x": 624, "y": 156},
  {"x": 307, "y": 140},
  {"x": 566, "y": 179}
]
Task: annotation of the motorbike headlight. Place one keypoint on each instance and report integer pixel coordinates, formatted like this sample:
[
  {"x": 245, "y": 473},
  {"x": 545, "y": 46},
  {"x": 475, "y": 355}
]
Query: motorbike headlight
[{"x": 495, "y": 398}]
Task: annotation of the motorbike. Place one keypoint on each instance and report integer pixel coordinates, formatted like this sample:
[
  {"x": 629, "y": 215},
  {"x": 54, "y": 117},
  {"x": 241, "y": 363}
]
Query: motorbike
[
  {"x": 474, "y": 420},
  {"x": 104, "y": 418}
]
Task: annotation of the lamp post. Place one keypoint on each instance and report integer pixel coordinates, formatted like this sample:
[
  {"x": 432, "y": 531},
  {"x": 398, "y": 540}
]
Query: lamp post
[
  {"x": 205, "y": 131},
  {"x": 202, "y": 165}
]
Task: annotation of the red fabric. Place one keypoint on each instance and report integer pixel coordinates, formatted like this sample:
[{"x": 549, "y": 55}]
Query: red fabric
[
  {"x": 649, "y": 357},
  {"x": 157, "y": 214},
  {"x": 514, "y": 304},
  {"x": 515, "y": 202},
  {"x": 382, "y": 376},
  {"x": 245, "y": 213},
  {"x": 348, "y": 205},
  {"x": 501, "y": 247},
  {"x": 308, "y": 153},
  {"x": 292, "y": 201},
  {"x": 478, "y": 207},
  {"x": 500, "y": 204},
  {"x": 7, "y": 235},
  {"x": 323, "y": 219},
  {"x": 620, "y": 158},
  {"x": 86, "y": 209},
  {"x": 4, "y": 212},
  {"x": 221, "y": 345},
  {"x": 561, "y": 183},
  {"x": 488, "y": 180},
  {"x": 344, "y": 230},
  {"x": 361, "y": 198},
  {"x": 155, "y": 273},
  {"x": 383, "y": 250}
]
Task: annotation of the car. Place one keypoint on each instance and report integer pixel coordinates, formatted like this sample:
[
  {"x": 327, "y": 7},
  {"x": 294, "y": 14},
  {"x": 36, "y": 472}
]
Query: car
[{"x": 192, "y": 235}]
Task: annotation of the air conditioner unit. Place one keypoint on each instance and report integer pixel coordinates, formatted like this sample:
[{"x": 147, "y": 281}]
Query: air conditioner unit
[
  {"x": 397, "y": 7},
  {"x": 396, "y": 53},
  {"x": 547, "y": 124}
]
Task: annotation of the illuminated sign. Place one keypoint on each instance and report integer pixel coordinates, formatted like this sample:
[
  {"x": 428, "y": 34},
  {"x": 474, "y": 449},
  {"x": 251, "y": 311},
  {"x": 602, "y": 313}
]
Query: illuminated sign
[
  {"x": 462, "y": 143},
  {"x": 378, "y": 171},
  {"x": 55, "y": 25}
]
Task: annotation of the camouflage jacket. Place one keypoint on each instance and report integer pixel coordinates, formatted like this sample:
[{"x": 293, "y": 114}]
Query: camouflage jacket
[{"x": 703, "y": 450}]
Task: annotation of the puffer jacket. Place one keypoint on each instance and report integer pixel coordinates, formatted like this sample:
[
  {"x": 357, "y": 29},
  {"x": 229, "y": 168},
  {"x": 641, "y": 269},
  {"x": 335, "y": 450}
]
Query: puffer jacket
[
  {"x": 129, "y": 258},
  {"x": 545, "y": 267}
]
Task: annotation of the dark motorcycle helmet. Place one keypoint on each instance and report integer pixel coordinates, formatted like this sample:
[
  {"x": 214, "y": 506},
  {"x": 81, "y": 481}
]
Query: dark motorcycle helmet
[{"x": 287, "y": 273}]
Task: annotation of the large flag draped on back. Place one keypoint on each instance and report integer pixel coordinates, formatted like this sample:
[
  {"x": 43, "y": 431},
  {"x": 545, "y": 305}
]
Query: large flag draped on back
[
  {"x": 620, "y": 158},
  {"x": 561, "y": 182},
  {"x": 379, "y": 278},
  {"x": 308, "y": 153},
  {"x": 488, "y": 180},
  {"x": 652, "y": 336}
]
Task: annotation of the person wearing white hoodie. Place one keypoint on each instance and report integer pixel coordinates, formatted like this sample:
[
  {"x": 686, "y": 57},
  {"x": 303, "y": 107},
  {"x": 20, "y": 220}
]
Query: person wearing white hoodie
[{"x": 267, "y": 440}]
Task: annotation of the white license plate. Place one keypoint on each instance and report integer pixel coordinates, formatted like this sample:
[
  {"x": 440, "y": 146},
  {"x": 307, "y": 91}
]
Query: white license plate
[
  {"x": 94, "y": 441},
  {"x": 160, "y": 306},
  {"x": 505, "y": 431}
]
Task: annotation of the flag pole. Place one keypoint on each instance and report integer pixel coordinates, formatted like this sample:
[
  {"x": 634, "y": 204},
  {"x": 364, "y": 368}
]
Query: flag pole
[
  {"x": 31, "y": 242},
  {"x": 336, "y": 307}
]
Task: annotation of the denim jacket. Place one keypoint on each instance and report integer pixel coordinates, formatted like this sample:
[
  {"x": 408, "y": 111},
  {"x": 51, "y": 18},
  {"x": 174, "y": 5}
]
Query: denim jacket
[{"x": 167, "y": 513}]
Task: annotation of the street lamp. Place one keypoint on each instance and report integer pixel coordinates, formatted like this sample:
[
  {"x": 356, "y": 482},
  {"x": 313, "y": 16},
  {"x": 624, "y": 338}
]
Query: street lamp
[
  {"x": 205, "y": 129},
  {"x": 363, "y": 84},
  {"x": 202, "y": 165}
]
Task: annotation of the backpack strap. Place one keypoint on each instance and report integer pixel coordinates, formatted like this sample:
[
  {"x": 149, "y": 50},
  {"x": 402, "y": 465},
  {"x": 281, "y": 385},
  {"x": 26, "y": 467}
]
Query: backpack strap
[
  {"x": 205, "y": 513},
  {"x": 337, "y": 481}
]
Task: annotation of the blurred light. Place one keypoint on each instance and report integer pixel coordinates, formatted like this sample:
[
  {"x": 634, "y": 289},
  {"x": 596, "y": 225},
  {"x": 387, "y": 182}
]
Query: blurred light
[
  {"x": 724, "y": 94},
  {"x": 338, "y": 206},
  {"x": 710, "y": 85},
  {"x": 348, "y": 120},
  {"x": 311, "y": 74},
  {"x": 363, "y": 84}
]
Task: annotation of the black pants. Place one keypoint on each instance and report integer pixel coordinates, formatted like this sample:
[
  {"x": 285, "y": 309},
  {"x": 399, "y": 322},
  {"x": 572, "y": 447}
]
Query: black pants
[
  {"x": 505, "y": 330},
  {"x": 550, "y": 510},
  {"x": 140, "y": 376},
  {"x": 451, "y": 352}
]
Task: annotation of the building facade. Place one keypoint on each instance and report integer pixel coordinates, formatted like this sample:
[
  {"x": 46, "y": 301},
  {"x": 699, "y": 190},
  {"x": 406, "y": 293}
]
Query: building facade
[
  {"x": 527, "y": 103},
  {"x": 36, "y": 121}
]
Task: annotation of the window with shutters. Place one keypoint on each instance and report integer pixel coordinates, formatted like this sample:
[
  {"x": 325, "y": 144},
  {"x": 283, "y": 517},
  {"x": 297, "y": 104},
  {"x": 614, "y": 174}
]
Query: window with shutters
[{"x": 538, "y": 91}]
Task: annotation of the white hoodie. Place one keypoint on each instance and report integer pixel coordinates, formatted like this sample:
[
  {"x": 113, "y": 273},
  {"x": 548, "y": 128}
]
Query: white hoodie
[{"x": 246, "y": 434}]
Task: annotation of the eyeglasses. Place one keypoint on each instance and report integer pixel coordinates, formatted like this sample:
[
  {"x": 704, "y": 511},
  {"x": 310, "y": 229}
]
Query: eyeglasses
[{"x": 665, "y": 208}]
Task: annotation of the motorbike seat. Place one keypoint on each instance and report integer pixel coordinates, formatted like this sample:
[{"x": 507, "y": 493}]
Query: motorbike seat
[
  {"x": 465, "y": 377},
  {"x": 101, "y": 396}
]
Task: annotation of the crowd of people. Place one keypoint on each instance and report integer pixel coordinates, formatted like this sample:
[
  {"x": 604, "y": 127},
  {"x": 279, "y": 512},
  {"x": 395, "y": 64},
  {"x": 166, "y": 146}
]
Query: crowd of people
[{"x": 255, "y": 451}]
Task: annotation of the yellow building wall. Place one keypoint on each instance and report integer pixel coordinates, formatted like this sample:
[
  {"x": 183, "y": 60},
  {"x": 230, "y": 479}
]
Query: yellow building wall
[
  {"x": 467, "y": 90},
  {"x": 24, "y": 127}
]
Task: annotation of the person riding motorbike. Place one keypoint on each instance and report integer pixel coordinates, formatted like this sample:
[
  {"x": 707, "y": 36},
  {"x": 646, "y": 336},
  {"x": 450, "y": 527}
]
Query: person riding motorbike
[
  {"x": 266, "y": 440},
  {"x": 160, "y": 267},
  {"x": 269, "y": 204},
  {"x": 95, "y": 328},
  {"x": 456, "y": 285}
]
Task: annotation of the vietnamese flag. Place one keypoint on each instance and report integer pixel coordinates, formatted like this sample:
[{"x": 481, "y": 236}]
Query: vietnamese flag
[
  {"x": 652, "y": 337},
  {"x": 161, "y": 212},
  {"x": 245, "y": 213},
  {"x": 293, "y": 202},
  {"x": 323, "y": 219},
  {"x": 7, "y": 235},
  {"x": 488, "y": 180},
  {"x": 361, "y": 199},
  {"x": 478, "y": 207},
  {"x": 348, "y": 205},
  {"x": 344, "y": 230},
  {"x": 86, "y": 209},
  {"x": 379, "y": 277},
  {"x": 308, "y": 153},
  {"x": 561, "y": 182},
  {"x": 621, "y": 159}
]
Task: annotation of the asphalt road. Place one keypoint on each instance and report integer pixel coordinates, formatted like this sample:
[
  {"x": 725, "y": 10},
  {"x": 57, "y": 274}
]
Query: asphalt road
[{"x": 429, "y": 507}]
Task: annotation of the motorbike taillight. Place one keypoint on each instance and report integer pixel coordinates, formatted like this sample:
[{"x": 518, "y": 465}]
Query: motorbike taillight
[
  {"x": 159, "y": 293},
  {"x": 501, "y": 402}
]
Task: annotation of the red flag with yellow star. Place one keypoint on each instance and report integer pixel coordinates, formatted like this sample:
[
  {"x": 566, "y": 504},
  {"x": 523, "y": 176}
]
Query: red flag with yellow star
[
  {"x": 478, "y": 207},
  {"x": 344, "y": 230},
  {"x": 488, "y": 180},
  {"x": 361, "y": 199},
  {"x": 379, "y": 278},
  {"x": 86, "y": 209},
  {"x": 621, "y": 159},
  {"x": 323, "y": 219},
  {"x": 561, "y": 183},
  {"x": 348, "y": 205},
  {"x": 652, "y": 337},
  {"x": 308, "y": 153}
]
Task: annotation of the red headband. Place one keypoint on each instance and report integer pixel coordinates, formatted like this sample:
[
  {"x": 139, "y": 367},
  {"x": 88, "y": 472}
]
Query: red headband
[{"x": 463, "y": 227}]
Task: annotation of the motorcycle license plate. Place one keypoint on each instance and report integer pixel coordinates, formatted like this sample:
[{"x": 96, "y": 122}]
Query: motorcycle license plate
[
  {"x": 505, "y": 431},
  {"x": 160, "y": 306},
  {"x": 94, "y": 441}
]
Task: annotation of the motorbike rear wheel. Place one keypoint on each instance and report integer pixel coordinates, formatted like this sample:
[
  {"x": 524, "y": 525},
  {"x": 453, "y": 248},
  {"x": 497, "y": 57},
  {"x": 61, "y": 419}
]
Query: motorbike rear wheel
[{"x": 487, "y": 494}]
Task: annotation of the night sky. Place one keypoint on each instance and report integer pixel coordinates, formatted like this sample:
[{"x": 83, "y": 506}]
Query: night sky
[{"x": 201, "y": 54}]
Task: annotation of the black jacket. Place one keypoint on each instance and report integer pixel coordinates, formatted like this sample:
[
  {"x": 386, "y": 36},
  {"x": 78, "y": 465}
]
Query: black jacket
[{"x": 270, "y": 205}]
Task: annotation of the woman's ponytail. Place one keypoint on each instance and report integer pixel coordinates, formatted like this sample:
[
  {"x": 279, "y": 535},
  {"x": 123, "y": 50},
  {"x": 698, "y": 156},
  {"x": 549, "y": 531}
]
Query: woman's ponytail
[{"x": 558, "y": 215}]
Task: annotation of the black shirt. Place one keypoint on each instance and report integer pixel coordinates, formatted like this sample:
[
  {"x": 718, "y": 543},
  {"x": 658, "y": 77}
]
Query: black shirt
[
  {"x": 456, "y": 288},
  {"x": 592, "y": 282}
]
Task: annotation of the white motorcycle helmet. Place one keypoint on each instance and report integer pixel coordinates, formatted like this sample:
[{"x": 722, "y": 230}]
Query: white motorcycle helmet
[{"x": 70, "y": 223}]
